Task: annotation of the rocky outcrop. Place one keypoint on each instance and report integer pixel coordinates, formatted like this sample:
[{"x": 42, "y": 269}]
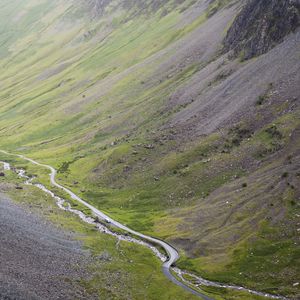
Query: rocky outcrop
[{"x": 261, "y": 25}]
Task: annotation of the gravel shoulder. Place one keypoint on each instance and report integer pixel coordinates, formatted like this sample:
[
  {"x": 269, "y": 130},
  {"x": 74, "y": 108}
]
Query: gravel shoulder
[{"x": 38, "y": 261}]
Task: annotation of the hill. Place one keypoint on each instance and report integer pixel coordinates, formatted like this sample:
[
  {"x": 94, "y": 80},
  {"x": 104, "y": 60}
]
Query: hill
[{"x": 178, "y": 118}]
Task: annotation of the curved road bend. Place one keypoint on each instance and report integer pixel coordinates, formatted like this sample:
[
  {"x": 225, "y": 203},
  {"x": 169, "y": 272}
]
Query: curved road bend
[{"x": 173, "y": 255}]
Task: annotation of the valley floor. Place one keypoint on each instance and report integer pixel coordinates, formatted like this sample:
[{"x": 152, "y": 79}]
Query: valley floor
[
  {"x": 47, "y": 253},
  {"x": 42, "y": 258}
]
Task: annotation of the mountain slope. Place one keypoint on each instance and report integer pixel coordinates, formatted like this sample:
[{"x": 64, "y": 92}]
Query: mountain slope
[{"x": 176, "y": 117}]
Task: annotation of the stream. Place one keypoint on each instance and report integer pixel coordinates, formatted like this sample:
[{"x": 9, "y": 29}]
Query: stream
[{"x": 168, "y": 260}]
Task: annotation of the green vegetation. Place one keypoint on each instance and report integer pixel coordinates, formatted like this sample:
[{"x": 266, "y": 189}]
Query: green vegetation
[
  {"x": 215, "y": 6},
  {"x": 101, "y": 95},
  {"x": 119, "y": 270}
]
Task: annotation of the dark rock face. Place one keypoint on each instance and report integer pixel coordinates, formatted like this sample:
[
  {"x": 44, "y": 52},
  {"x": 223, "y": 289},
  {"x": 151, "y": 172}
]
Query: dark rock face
[{"x": 261, "y": 25}]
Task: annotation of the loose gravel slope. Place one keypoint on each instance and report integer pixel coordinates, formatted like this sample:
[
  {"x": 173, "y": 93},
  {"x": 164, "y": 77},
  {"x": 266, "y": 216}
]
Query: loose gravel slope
[{"x": 37, "y": 260}]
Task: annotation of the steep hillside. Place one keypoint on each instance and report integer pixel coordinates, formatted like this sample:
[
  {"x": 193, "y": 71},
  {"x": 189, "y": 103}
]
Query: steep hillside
[
  {"x": 261, "y": 26},
  {"x": 178, "y": 118}
]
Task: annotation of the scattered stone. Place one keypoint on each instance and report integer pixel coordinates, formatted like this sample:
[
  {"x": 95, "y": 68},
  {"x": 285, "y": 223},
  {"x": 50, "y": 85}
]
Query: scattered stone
[
  {"x": 97, "y": 220},
  {"x": 127, "y": 168},
  {"x": 191, "y": 194},
  {"x": 105, "y": 256},
  {"x": 206, "y": 160},
  {"x": 149, "y": 146}
]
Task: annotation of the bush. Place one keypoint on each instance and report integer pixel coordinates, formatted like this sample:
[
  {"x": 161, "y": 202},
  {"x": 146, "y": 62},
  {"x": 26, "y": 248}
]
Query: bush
[{"x": 261, "y": 99}]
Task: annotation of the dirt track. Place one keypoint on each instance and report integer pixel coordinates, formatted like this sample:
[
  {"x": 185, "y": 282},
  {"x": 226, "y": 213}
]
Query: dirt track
[{"x": 36, "y": 259}]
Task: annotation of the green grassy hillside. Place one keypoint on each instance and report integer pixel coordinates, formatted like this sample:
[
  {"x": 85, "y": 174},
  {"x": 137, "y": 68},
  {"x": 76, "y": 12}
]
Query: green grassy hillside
[{"x": 146, "y": 118}]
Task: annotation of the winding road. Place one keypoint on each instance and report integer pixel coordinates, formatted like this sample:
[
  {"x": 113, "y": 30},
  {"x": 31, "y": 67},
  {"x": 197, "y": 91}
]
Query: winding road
[{"x": 173, "y": 255}]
